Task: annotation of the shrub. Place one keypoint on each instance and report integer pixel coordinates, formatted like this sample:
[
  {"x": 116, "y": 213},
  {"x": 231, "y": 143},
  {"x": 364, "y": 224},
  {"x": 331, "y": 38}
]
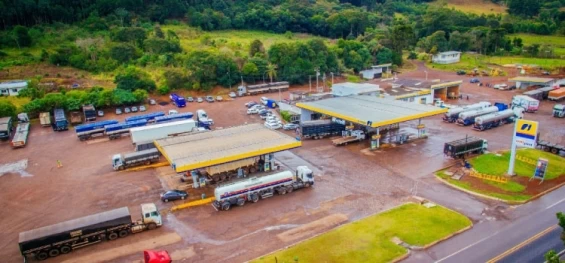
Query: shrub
[{"x": 163, "y": 90}]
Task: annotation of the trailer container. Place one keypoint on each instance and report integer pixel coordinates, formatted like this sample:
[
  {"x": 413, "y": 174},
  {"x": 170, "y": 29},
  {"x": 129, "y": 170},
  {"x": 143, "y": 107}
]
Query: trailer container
[
  {"x": 21, "y": 135},
  {"x": 545, "y": 91},
  {"x": 89, "y": 113},
  {"x": 60, "y": 122},
  {"x": 466, "y": 146},
  {"x": 94, "y": 126},
  {"x": 140, "y": 146},
  {"x": 5, "y": 128},
  {"x": 226, "y": 171},
  {"x": 255, "y": 188},
  {"x": 159, "y": 131},
  {"x": 64, "y": 237},
  {"x": 557, "y": 94},
  {"x": 320, "y": 129},
  {"x": 262, "y": 88},
  {"x": 271, "y": 103},
  {"x": 174, "y": 117},
  {"x": 349, "y": 137},
  {"x": 536, "y": 94},
  {"x": 468, "y": 117},
  {"x": 527, "y": 103},
  {"x": 493, "y": 120},
  {"x": 453, "y": 113},
  {"x": 150, "y": 117},
  {"x": 116, "y": 131},
  {"x": 146, "y": 157},
  {"x": 45, "y": 119}
]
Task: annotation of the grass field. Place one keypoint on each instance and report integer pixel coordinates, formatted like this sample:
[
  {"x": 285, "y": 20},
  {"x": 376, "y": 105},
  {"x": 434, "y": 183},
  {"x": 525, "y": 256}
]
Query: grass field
[
  {"x": 473, "y": 6},
  {"x": 558, "y": 42},
  {"x": 369, "y": 239},
  {"x": 498, "y": 165},
  {"x": 471, "y": 61}
]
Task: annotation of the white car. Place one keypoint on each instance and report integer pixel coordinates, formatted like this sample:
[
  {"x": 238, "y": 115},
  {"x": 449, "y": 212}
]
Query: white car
[
  {"x": 273, "y": 118},
  {"x": 252, "y": 110},
  {"x": 273, "y": 125},
  {"x": 173, "y": 112}
]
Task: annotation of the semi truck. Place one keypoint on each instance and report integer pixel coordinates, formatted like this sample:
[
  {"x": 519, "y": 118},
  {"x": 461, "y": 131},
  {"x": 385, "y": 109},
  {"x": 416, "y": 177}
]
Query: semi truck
[
  {"x": 349, "y": 137},
  {"x": 546, "y": 90},
  {"x": 320, "y": 128},
  {"x": 45, "y": 119},
  {"x": 89, "y": 113},
  {"x": 120, "y": 162},
  {"x": 527, "y": 103},
  {"x": 150, "y": 117},
  {"x": 76, "y": 117},
  {"x": 159, "y": 131},
  {"x": 21, "y": 135},
  {"x": 535, "y": 94},
  {"x": 116, "y": 131},
  {"x": 467, "y": 118},
  {"x": 5, "y": 128},
  {"x": 559, "y": 111},
  {"x": 177, "y": 100},
  {"x": 60, "y": 122},
  {"x": 453, "y": 113},
  {"x": 203, "y": 120},
  {"x": 557, "y": 94},
  {"x": 550, "y": 147},
  {"x": 493, "y": 120},
  {"x": 255, "y": 188},
  {"x": 90, "y": 130},
  {"x": 174, "y": 117},
  {"x": 62, "y": 238},
  {"x": 460, "y": 148},
  {"x": 262, "y": 88}
]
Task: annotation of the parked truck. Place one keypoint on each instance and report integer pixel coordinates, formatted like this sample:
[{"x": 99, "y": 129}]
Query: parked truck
[
  {"x": 5, "y": 128},
  {"x": 535, "y": 94},
  {"x": 177, "y": 100},
  {"x": 21, "y": 135},
  {"x": 467, "y": 118},
  {"x": 546, "y": 90},
  {"x": 349, "y": 137},
  {"x": 159, "y": 131},
  {"x": 453, "y": 113},
  {"x": 527, "y": 103},
  {"x": 262, "y": 88},
  {"x": 255, "y": 188},
  {"x": 91, "y": 130},
  {"x": 550, "y": 147},
  {"x": 557, "y": 94},
  {"x": 203, "y": 120},
  {"x": 115, "y": 131},
  {"x": 45, "y": 119},
  {"x": 493, "y": 120},
  {"x": 460, "y": 148},
  {"x": 559, "y": 111},
  {"x": 76, "y": 117},
  {"x": 64, "y": 237},
  {"x": 150, "y": 117},
  {"x": 89, "y": 113},
  {"x": 320, "y": 128},
  {"x": 60, "y": 122},
  {"x": 174, "y": 117},
  {"x": 120, "y": 162}
]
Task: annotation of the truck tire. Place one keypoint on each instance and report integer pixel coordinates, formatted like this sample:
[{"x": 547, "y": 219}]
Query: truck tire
[
  {"x": 166, "y": 200},
  {"x": 282, "y": 191},
  {"x": 240, "y": 202},
  {"x": 151, "y": 226},
  {"x": 254, "y": 198},
  {"x": 112, "y": 236},
  {"x": 554, "y": 150},
  {"x": 123, "y": 233},
  {"x": 226, "y": 206},
  {"x": 54, "y": 252},
  {"x": 42, "y": 255},
  {"x": 65, "y": 249},
  {"x": 307, "y": 185},
  {"x": 289, "y": 189}
]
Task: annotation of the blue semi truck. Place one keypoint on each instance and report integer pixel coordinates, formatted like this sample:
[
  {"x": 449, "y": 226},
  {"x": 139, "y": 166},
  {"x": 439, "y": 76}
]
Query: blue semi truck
[
  {"x": 60, "y": 122},
  {"x": 150, "y": 117},
  {"x": 110, "y": 128},
  {"x": 179, "y": 101},
  {"x": 174, "y": 117}
]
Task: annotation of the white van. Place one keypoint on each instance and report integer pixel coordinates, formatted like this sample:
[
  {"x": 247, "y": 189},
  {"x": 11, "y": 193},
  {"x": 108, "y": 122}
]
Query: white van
[{"x": 264, "y": 100}]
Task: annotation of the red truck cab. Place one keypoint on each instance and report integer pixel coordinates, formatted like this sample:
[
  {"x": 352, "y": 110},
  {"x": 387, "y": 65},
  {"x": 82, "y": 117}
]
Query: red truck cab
[{"x": 151, "y": 256}]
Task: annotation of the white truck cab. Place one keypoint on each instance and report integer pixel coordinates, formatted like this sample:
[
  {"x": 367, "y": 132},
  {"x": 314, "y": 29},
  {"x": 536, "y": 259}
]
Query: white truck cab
[
  {"x": 305, "y": 174},
  {"x": 150, "y": 215},
  {"x": 117, "y": 161}
]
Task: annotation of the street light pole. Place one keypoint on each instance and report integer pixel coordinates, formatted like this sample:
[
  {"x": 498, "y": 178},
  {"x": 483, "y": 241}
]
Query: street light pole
[{"x": 426, "y": 74}]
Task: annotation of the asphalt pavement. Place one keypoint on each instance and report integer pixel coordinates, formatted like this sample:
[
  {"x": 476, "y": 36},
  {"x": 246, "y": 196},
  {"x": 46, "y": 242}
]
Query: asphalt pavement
[{"x": 535, "y": 250}]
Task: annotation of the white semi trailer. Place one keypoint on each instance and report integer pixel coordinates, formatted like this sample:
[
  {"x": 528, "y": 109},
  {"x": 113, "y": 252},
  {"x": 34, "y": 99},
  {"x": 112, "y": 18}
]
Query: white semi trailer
[
  {"x": 453, "y": 113},
  {"x": 251, "y": 189},
  {"x": 159, "y": 131}
]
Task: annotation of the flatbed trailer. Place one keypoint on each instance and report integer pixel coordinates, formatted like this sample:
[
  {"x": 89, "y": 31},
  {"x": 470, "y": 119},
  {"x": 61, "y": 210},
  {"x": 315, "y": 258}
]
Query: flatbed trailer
[
  {"x": 21, "y": 135},
  {"x": 550, "y": 147},
  {"x": 349, "y": 137}
]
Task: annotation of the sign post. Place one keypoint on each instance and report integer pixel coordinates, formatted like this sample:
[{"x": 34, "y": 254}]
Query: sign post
[
  {"x": 525, "y": 133},
  {"x": 541, "y": 167}
]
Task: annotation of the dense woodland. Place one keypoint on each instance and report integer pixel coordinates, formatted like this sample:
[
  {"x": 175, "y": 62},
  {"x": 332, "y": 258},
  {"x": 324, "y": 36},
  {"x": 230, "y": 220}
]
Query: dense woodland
[{"x": 125, "y": 37}]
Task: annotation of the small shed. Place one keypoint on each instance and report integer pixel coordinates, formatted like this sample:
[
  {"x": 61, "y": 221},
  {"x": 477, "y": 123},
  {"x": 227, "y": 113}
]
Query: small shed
[
  {"x": 375, "y": 72},
  {"x": 12, "y": 88},
  {"x": 448, "y": 57}
]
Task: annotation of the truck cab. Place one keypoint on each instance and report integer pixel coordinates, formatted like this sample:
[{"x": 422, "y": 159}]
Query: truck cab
[
  {"x": 203, "y": 120},
  {"x": 559, "y": 111},
  {"x": 304, "y": 174},
  {"x": 89, "y": 113},
  {"x": 150, "y": 215},
  {"x": 117, "y": 161},
  {"x": 241, "y": 90}
]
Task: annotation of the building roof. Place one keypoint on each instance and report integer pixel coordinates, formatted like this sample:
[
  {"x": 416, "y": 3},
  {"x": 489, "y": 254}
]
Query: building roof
[
  {"x": 400, "y": 92},
  {"x": 531, "y": 80},
  {"x": 424, "y": 84},
  {"x": 13, "y": 84},
  {"x": 449, "y": 53},
  {"x": 379, "y": 111},
  {"x": 199, "y": 150}
]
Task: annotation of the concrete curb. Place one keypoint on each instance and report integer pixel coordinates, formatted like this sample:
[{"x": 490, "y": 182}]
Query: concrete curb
[
  {"x": 449, "y": 236},
  {"x": 402, "y": 257}
]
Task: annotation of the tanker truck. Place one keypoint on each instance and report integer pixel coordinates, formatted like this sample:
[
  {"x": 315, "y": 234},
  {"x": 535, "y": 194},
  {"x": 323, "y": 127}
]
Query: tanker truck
[
  {"x": 251, "y": 189},
  {"x": 493, "y": 120},
  {"x": 467, "y": 118},
  {"x": 64, "y": 237},
  {"x": 453, "y": 113},
  {"x": 120, "y": 162}
]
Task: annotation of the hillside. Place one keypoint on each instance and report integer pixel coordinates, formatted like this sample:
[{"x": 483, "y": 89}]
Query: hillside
[{"x": 473, "y": 6}]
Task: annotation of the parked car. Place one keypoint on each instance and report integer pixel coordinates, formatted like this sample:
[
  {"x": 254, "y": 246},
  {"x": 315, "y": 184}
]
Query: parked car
[
  {"x": 546, "y": 73},
  {"x": 264, "y": 111},
  {"x": 118, "y": 111},
  {"x": 152, "y": 102},
  {"x": 512, "y": 87},
  {"x": 273, "y": 119},
  {"x": 501, "y": 86},
  {"x": 265, "y": 115},
  {"x": 232, "y": 95},
  {"x": 273, "y": 125},
  {"x": 127, "y": 110},
  {"x": 219, "y": 98},
  {"x": 474, "y": 80},
  {"x": 134, "y": 109},
  {"x": 290, "y": 126},
  {"x": 142, "y": 108},
  {"x": 173, "y": 112},
  {"x": 100, "y": 113},
  {"x": 250, "y": 104},
  {"x": 173, "y": 195},
  {"x": 252, "y": 111},
  {"x": 209, "y": 98},
  {"x": 190, "y": 99},
  {"x": 199, "y": 100},
  {"x": 461, "y": 72}
]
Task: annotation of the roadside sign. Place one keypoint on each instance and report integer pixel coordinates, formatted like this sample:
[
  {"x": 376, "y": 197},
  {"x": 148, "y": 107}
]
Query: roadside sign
[
  {"x": 525, "y": 133},
  {"x": 541, "y": 168}
]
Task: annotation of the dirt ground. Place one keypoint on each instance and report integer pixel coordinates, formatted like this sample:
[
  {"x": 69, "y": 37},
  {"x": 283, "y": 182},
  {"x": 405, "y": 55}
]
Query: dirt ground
[{"x": 351, "y": 183}]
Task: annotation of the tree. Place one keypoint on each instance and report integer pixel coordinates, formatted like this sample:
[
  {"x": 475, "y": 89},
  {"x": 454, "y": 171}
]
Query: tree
[
  {"x": 271, "y": 71},
  {"x": 21, "y": 36},
  {"x": 158, "y": 32},
  {"x": 135, "y": 35},
  {"x": 131, "y": 79},
  {"x": 249, "y": 69},
  {"x": 551, "y": 256},
  {"x": 123, "y": 52},
  {"x": 7, "y": 109},
  {"x": 175, "y": 79},
  {"x": 527, "y": 8},
  {"x": 517, "y": 42},
  {"x": 384, "y": 56},
  {"x": 140, "y": 95},
  {"x": 256, "y": 47},
  {"x": 401, "y": 36},
  {"x": 123, "y": 97},
  {"x": 122, "y": 14}
]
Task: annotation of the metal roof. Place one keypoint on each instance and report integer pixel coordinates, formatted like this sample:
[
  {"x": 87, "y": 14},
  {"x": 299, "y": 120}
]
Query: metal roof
[
  {"x": 203, "y": 149},
  {"x": 379, "y": 111},
  {"x": 531, "y": 80},
  {"x": 13, "y": 84}
]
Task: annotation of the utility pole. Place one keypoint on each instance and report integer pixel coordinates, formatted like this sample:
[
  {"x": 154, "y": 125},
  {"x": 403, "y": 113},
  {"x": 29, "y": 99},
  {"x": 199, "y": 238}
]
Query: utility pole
[
  {"x": 317, "y": 74},
  {"x": 229, "y": 76},
  {"x": 323, "y": 82},
  {"x": 332, "y": 78},
  {"x": 310, "y": 82}
]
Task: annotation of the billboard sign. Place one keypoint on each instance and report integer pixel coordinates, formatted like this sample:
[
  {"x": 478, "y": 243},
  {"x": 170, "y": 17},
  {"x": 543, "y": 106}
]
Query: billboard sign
[{"x": 525, "y": 133}]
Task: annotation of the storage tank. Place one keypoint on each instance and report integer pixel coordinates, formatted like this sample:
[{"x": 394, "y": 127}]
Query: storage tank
[
  {"x": 234, "y": 189},
  {"x": 501, "y": 115}
]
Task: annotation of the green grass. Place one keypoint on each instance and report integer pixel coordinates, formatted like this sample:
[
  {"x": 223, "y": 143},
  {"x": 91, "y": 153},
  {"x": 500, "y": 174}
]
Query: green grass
[
  {"x": 510, "y": 186},
  {"x": 546, "y": 63},
  {"x": 475, "y": 6},
  {"x": 470, "y": 61},
  {"x": 507, "y": 197},
  {"x": 558, "y": 42},
  {"x": 498, "y": 165},
  {"x": 369, "y": 239},
  {"x": 18, "y": 102}
]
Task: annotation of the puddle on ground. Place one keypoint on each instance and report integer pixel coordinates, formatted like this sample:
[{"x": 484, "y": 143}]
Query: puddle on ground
[{"x": 15, "y": 167}]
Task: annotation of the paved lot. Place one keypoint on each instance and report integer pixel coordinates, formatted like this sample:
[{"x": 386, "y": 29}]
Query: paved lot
[{"x": 351, "y": 183}]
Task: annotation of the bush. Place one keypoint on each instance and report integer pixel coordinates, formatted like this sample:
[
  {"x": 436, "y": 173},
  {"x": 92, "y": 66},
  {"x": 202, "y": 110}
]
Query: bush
[
  {"x": 7, "y": 109},
  {"x": 163, "y": 90},
  {"x": 285, "y": 115}
]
